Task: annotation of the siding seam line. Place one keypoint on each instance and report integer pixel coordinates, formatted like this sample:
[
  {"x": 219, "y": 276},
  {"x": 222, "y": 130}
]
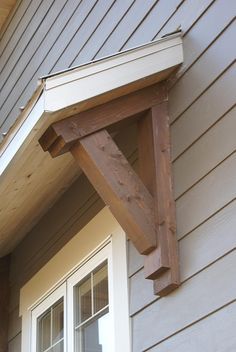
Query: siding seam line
[
  {"x": 204, "y": 176},
  {"x": 192, "y": 324},
  {"x": 186, "y": 280},
  {"x": 204, "y": 133}
]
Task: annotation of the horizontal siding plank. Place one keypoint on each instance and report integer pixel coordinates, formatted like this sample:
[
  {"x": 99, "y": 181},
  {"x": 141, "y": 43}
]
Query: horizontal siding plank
[
  {"x": 209, "y": 66},
  {"x": 185, "y": 16},
  {"x": 22, "y": 47},
  {"x": 205, "y": 154},
  {"x": 207, "y": 197},
  {"x": 203, "y": 294},
  {"x": 14, "y": 24},
  {"x": 202, "y": 247},
  {"x": 152, "y": 23},
  {"x": 214, "y": 333},
  {"x": 15, "y": 344},
  {"x": 132, "y": 19},
  {"x": 45, "y": 57},
  {"x": 28, "y": 62},
  {"x": 205, "y": 31},
  {"x": 82, "y": 35},
  {"x": 207, "y": 109},
  {"x": 135, "y": 259},
  {"x": 104, "y": 30},
  {"x": 71, "y": 26},
  {"x": 14, "y": 325}
]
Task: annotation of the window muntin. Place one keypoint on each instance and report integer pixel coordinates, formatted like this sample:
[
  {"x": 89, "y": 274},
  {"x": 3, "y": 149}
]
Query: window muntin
[
  {"x": 50, "y": 329},
  {"x": 92, "y": 318}
]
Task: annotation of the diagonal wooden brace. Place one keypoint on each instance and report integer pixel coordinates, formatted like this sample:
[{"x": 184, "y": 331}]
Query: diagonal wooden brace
[
  {"x": 143, "y": 205},
  {"x": 119, "y": 187}
]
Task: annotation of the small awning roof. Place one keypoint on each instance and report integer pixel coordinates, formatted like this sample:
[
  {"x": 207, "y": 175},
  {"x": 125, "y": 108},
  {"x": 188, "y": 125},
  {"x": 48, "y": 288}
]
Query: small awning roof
[{"x": 30, "y": 182}]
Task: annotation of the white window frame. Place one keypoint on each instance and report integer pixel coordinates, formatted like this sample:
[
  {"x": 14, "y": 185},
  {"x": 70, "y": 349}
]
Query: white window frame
[
  {"x": 48, "y": 302},
  {"x": 113, "y": 248},
  {"x": 99, "y": 258}
]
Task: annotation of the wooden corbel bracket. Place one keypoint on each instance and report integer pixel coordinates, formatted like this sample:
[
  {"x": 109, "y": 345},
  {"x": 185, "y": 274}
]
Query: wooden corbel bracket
[{"x": 144, "y": 204}]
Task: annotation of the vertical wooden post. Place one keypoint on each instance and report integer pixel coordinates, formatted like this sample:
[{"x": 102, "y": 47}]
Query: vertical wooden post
[
  {"x": 161, "y": 264},
  {"x": 4, "y": 301}
]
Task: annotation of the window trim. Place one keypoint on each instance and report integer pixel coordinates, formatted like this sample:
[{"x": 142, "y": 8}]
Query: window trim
[
  {"x": 55, "y": 296},
  {"x": 108, "y": 234},
  {"x": 101, "y": 256}
]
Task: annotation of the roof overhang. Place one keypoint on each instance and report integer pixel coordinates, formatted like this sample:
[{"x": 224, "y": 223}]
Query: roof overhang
[{"x": 29, "y": 181}]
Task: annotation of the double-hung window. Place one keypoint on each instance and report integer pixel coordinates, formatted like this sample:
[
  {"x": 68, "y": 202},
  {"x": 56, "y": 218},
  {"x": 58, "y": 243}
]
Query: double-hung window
[{"x": 87, "y": 311}]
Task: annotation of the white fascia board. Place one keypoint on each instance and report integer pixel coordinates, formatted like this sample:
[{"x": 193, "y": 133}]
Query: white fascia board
[
  {"x": 63, "y": 90},
  {"x": 21, "y": 134},
  {"x": 101, "y": 77}
]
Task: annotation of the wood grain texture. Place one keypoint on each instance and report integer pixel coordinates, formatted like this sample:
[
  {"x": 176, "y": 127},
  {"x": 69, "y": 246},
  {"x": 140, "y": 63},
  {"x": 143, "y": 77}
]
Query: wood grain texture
[
  {"x": 155, "y": 171},
  {"x": 119, "y": 187},
  {"x": 102, "y": 116}
]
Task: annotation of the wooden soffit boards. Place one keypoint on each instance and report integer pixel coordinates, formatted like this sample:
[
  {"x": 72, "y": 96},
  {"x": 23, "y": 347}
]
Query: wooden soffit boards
[
  {"x": 5, "y": 8},
  {"x": 30, "y": 182}
]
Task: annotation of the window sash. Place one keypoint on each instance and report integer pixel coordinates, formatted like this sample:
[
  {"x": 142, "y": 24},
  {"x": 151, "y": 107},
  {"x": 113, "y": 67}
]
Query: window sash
[
  {"x": 57, "y": 295},
  {"x": 93, "y": 263}
]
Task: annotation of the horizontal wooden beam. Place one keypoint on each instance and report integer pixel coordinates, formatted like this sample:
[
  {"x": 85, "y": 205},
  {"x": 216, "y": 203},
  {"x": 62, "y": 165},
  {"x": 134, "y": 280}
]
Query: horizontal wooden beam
[
  {"x": 119, "y": 186},
  {"x": 61, "y": 135}
]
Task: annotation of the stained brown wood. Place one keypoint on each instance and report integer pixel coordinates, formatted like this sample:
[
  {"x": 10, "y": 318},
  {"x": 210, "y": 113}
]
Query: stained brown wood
[
  {"x": 144, "y": 206},
  {"x": 158, "y": 260},
  {"x": 4, "y": 300},
  {"x": 90, "y": 121},
  {"x": 119, "y": 187},
  {"x": 155, "y": 170}
]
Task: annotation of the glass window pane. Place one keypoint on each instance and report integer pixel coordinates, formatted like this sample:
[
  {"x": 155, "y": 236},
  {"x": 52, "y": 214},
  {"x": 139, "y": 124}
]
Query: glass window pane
[
  {"x": 100, "y": 288},
  {"x": 44, "y": 332},
  {"x": 59, "y": 347},
  {"x": 57, "y": 322},
  {"x": 95, "y": 336},
  {"x": 83, "y": 298},
  {"x": 50, "y": 328}
]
